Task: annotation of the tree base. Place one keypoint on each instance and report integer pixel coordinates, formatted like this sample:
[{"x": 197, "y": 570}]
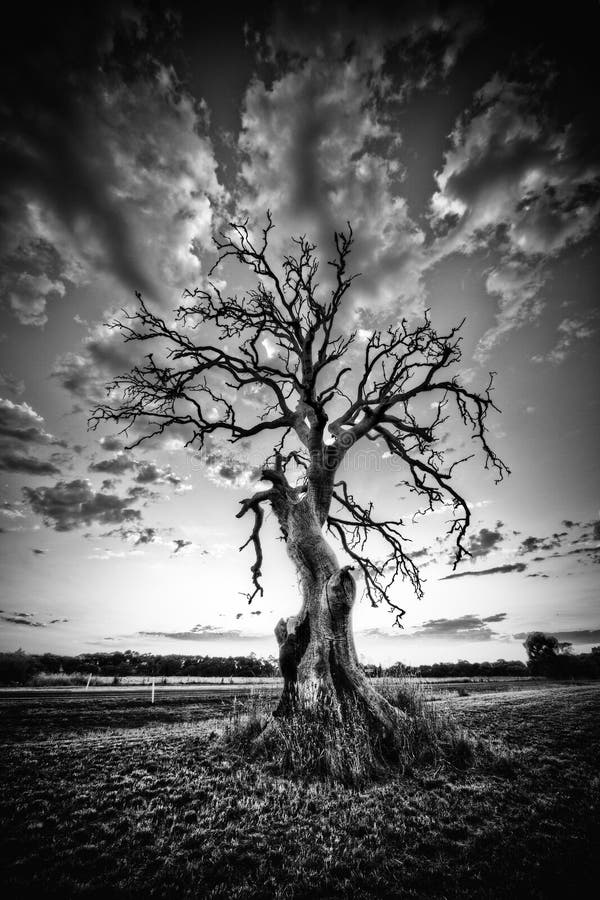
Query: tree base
[{"x": 345, "y": 741}]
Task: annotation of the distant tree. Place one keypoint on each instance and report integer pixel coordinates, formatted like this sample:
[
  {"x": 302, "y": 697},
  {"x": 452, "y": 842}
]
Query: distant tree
[
  {"x": 542, "y": 651},
  {"x": 548, "y": 656},
  {"x": 288, "y": 347}
]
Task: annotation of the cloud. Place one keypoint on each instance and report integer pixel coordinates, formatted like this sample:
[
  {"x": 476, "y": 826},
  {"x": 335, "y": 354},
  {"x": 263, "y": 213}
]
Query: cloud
[
  {"x": 137, "y": 536},
  {"x": 334, "y": 29},
  {"x": 318, "y": 149},
  {"x": 483, "y": 543},
  {"x": 11, "y": 383},
  {"x": 227, "y": 469},
  {"x": 124, "y": 139},
  {"x": 70, "y": 505},
  {"x": 570, "y": 332},
  {"x": 21, "y": 619},
  {"x": 468, "y": 627},
  {"x": 11, "y": 510},
  {"x": 582, "y": 636},
  {"x": 19, "y": 422},
  {"x": 27, "y": 619},
  {"x": 18, "y": 462},
  {"x": 200, "y": 633},
  {"x": 496, "y": 570},
  {"x": 150, "y": 473},
  {"x": 116, "y": 465},
  {"x": 111, "y": 443},
  {"x": 515, "y": 179},
  {"x": 22, "y": 428},
  {"x": 533, "y": 544}
]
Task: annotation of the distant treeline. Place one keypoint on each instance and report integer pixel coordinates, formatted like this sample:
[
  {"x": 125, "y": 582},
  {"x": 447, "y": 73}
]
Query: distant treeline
[
  {"x": 546, "y": 657},
  {"x": 20, "y": 667},
  {"x": 461, "y": 669}
]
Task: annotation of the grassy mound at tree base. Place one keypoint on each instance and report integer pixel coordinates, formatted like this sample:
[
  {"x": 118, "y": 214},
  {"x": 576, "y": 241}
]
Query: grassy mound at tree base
[{"x": 349, "y": 748}]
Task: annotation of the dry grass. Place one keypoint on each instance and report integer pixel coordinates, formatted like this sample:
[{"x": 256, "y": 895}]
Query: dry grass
[{"x": 164, "y": 809}]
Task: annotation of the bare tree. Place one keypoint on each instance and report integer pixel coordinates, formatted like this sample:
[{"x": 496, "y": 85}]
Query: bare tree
[{"x": 321, "y": 392}]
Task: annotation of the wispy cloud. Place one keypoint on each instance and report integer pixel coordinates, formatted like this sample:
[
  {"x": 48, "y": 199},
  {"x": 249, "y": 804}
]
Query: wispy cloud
[{"x": 495, "y": 570}]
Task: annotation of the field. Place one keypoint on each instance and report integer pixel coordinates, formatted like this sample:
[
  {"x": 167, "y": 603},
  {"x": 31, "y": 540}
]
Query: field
[{"x": 110, "y": 796}]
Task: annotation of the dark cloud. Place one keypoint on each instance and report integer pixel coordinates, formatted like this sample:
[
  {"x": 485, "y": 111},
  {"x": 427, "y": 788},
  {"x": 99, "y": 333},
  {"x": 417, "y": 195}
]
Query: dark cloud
[
  {"x": 150, "y": 473},
  {"x": 146, "y": 473},
  {"x": 483, "y": 543},
  {"x": 117, "y": 465},
  {"x": 417, "y": 554},
  {"x": 180, "y": 545},
  {"x": 496, "y": 570},
  {"x": 139, "y": 492},
  {"x": 199, "y": 633},
  {"x": 77, "y": 161},
  {"x": 28, "y": 619},
  {"x": 22, "y": 620},
  {"x": 139, "y": 535},
  {"x": 535, "y": 544},
  {"x": 21, "y": 428},
  {"x": 19, "y": 422},
  {"x": 69, "y": 505},
  {"x": 468, "y": 627},
  {"x": 28, "y": 465},
  {"x": 582, "y": 636},
  {"x": 515, "y": 172}
]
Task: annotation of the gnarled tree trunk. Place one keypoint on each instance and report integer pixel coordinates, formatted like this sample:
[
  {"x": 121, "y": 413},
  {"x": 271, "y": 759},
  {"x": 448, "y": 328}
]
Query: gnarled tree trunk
[{"x": 322, "y": 641}]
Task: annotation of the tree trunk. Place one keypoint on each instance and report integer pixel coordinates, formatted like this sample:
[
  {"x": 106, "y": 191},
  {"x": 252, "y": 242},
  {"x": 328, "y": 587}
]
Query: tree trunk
[{"x": 320, "y": 636}]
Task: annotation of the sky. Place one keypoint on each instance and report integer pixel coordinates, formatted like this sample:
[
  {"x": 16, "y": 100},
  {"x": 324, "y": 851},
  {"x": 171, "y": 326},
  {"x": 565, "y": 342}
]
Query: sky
[{"x": 460, "y": 140}]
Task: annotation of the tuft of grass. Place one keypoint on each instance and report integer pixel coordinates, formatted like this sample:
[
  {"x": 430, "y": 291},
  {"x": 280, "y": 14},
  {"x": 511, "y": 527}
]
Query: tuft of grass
[{"x": 431, "y": 735}]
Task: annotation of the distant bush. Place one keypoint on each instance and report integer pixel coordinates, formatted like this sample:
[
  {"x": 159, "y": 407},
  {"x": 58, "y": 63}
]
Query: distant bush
[
  {"x": 48, "y": 679},
  {"x": 16, "y": 668}
]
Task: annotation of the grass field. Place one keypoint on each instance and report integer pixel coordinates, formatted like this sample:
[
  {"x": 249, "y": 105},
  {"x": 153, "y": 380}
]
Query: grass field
[{"x": 113, "y": 797}]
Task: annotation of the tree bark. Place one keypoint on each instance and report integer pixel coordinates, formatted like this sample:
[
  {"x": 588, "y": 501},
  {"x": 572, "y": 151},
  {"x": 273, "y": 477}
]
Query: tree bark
[{"x": 327, "y": 664}]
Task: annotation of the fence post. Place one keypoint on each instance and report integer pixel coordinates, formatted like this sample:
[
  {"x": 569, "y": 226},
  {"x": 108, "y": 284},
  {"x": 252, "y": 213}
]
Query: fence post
[
  {"x": 153, "y": 682},
  {"x": 88, "y": 681}
]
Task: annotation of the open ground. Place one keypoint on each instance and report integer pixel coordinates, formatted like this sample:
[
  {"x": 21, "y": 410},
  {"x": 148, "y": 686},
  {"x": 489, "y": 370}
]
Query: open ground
[{"x": 111, "y": 796}]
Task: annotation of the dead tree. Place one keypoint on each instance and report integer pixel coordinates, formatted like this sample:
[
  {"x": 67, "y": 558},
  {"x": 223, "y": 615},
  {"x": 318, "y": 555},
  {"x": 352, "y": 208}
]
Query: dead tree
[{"x": 321, "y": 391}]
